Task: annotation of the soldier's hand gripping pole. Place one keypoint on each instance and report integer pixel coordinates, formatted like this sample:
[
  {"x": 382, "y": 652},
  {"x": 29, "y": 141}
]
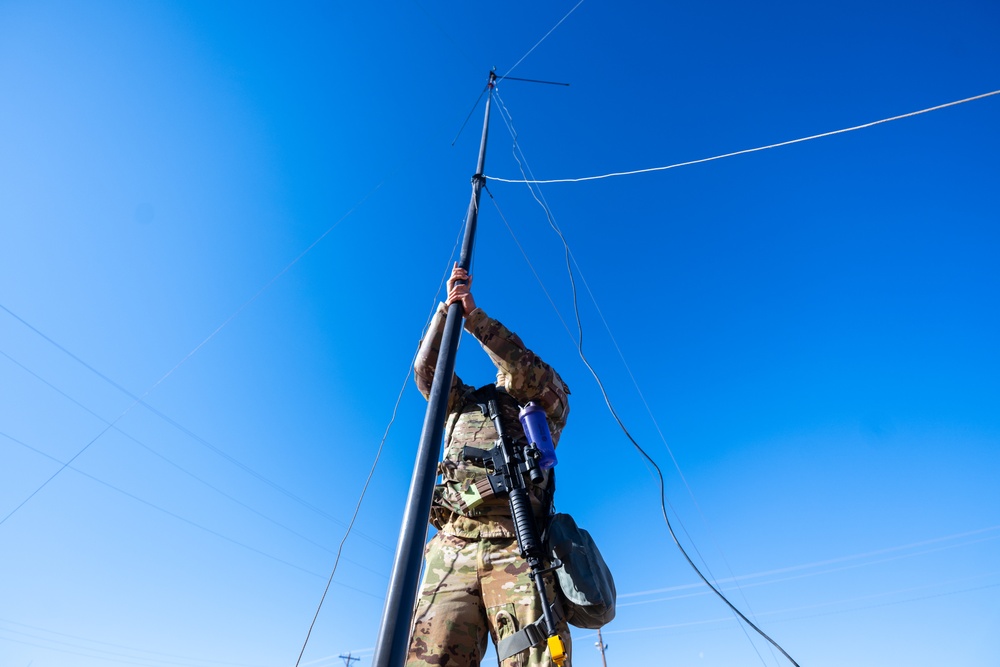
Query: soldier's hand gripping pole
[{"x": 510, "y": 468}]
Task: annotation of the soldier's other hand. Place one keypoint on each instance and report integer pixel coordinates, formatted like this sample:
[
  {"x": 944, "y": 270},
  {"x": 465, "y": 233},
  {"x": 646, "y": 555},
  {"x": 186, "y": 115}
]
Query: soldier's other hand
[{"x": 461, "y": 293}]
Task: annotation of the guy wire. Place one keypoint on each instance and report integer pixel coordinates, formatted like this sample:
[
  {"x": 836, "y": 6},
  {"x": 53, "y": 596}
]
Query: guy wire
[
  {"x": 528, "y": 262},
  {"x": 357, "y": 508},
  {"x": 593, "y": 372},
  {"x": 471, "y": 111},
  {"x": 544, "y": 37},
  {"x": 540, "y": 199},
  {"x": 378, "y": 453},
  {"x": 614, "y": 414}
]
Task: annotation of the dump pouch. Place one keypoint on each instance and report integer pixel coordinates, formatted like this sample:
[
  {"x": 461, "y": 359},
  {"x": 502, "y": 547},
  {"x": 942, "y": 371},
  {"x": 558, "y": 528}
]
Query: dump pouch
[{"x": 587, "y": 587}]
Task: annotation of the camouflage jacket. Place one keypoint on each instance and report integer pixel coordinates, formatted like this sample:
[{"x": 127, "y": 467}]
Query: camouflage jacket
[{"x": 463, "y": 504}]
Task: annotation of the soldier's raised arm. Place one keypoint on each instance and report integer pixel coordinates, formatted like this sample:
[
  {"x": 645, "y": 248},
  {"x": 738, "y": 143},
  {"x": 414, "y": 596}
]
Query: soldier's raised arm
[
  {"x": 427, "y": 352},
  {"x": 430, "y": 345},
  {"x": 522, "y": 372}
]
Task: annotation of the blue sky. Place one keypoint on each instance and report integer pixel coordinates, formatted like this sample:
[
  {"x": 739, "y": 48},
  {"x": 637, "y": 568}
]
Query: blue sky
[{"x": 812, "y": 330}]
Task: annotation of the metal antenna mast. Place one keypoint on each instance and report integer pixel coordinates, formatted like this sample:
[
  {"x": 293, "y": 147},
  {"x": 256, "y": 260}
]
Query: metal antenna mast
[{"x": 394, "y": 632}]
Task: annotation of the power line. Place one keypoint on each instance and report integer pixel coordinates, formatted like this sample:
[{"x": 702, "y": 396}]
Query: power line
[
  {"x": 190, "y": 354},
  {"x": 106, "y": 657},
  {"x": 214, "y": 333},
  {"x": 689, "y": 624},
  {"x": 748, "y": 150},
  {"x": 835, "y": 602},
  {"x": 180, "y": 427},
  {"x": 157, "y": 654},
  {"x": 841, "y": 559},
  {"x": 177, "y": 516},
  {"x": 785, "y": 579},
  {"x": 182, "y": 468}
]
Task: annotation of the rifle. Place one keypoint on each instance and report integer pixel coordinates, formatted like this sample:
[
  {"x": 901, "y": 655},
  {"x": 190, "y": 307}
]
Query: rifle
[{"x": 510, "y": 467}]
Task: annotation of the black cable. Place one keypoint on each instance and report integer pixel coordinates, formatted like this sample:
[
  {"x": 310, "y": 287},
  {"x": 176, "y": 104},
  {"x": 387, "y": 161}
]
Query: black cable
[
  {"x": 357, "y": 508},
  {"x": 659, "y": 473},
  {"x": 555, "y": 227},
  {"x": 663, "y": 509}
]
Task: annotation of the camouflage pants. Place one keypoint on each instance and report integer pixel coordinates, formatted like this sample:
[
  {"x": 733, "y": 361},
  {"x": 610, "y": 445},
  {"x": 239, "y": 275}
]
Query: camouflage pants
[{"x": 471, "y": 586}]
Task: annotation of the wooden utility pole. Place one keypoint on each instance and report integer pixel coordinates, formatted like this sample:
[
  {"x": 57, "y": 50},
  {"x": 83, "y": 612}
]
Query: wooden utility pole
[
  {"x": 348, "y": 659},
  {"x": 601, "y": 646}
]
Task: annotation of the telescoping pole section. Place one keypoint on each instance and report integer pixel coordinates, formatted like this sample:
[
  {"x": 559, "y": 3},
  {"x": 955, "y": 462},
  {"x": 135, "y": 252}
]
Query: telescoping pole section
[{"x": 394, "y": 633}]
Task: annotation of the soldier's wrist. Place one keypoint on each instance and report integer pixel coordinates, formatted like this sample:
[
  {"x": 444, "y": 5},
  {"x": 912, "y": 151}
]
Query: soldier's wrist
[{"x": 473, "y": 319}]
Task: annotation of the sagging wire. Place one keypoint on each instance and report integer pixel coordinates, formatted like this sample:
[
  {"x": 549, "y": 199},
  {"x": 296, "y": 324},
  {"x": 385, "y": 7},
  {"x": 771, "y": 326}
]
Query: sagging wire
[
  {"x": 540, "y": 199},
  {"x": 745, "y": 151},
  {"x": 378, "y": 453},
  {"x": 600, "y": 384},
  {"x": 505, "y": 114}
]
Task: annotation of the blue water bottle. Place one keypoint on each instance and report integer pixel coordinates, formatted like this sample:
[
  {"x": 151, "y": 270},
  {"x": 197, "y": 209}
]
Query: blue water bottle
[{"x": 532, "y": 418}]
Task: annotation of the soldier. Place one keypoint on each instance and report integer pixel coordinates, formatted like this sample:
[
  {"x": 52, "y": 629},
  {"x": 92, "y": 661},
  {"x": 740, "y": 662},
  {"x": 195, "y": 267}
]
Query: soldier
[{"x": 474, "y": 578}]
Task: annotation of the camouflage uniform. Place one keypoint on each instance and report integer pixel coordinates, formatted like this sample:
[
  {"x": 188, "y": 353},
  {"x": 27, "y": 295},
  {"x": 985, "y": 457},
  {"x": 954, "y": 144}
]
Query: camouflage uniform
[{"x": 474, "y": 577}]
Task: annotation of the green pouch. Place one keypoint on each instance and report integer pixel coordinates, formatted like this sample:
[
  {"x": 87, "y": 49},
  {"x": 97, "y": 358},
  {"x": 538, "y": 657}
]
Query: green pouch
[{"x": 587, "y": 587}]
